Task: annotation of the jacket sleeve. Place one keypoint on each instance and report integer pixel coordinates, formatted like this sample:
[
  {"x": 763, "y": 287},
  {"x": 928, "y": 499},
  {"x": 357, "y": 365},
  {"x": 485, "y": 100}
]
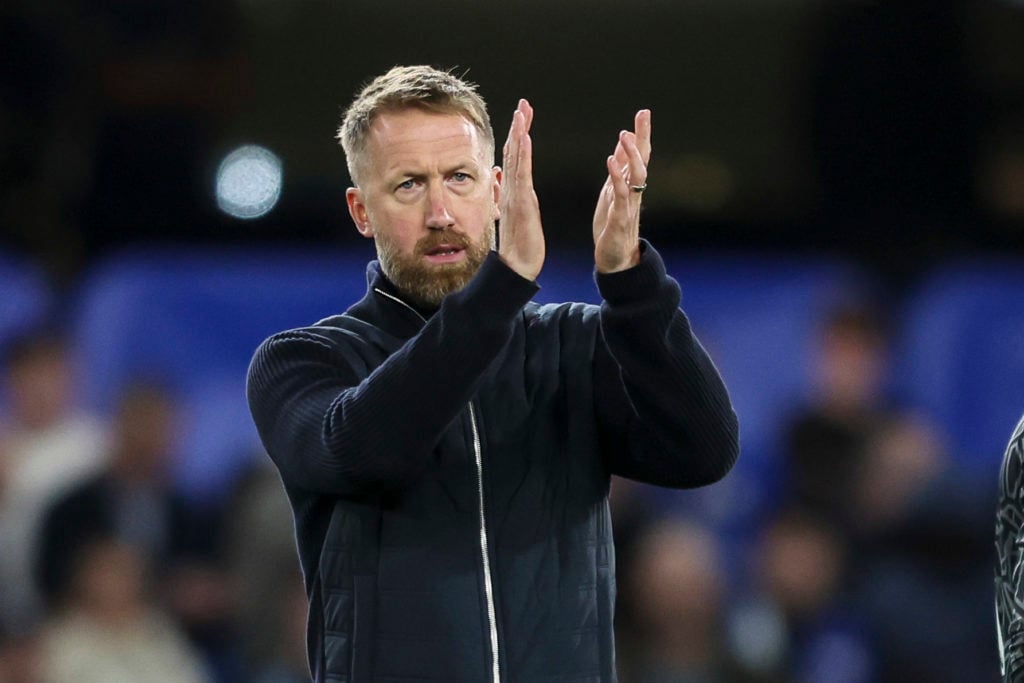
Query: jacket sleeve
[
  {"x": 664, "y": 411},
  {"x": 331, "y": 428}
]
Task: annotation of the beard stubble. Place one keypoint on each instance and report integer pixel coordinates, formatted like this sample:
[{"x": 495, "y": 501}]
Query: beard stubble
[{"x": 426, "y": 285}]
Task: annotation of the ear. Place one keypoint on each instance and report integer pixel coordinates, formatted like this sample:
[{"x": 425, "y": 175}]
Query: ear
[
  {"x": 496, "y": 191},
  {"x": 357, "y": 209}
]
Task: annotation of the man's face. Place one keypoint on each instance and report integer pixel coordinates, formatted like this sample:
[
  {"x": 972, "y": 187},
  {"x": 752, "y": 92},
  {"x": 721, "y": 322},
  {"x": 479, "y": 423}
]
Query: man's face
[{"x": 429, "y": 198}]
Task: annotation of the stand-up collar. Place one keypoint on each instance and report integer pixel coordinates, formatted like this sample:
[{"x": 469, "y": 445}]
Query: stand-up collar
[
  {"x": 495, "y": 292},
  {"x": 385, "y": 306}
]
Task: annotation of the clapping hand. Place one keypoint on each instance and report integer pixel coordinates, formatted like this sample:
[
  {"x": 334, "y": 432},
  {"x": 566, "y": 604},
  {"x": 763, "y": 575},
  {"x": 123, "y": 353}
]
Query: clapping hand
[
  {"x": 617, "y": 217},
  {"x": 522, "y": 236}
]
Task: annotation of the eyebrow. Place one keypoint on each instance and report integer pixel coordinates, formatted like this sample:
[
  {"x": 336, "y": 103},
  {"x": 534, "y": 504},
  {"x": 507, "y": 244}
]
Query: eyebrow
[{"x": 410, "y": 172}]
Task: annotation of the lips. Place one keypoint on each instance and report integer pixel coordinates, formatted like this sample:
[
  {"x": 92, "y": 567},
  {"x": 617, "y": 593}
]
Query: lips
[
  {"x": 445, "y": 253},
  {"x": 445, "y": 250},
  {"x": 448, "y": 246}
]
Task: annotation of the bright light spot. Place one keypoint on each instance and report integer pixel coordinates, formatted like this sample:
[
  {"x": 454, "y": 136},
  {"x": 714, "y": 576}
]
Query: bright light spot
[{"x": 249, "y": 182}]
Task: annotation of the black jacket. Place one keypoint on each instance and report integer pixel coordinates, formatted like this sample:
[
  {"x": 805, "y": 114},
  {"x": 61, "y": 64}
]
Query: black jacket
[{"x": 449, "y": 473}]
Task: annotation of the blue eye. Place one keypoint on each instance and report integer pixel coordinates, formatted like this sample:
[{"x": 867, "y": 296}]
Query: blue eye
[
  {"x": 460, "y": 177},
  {"x": 406, "y": 185}
]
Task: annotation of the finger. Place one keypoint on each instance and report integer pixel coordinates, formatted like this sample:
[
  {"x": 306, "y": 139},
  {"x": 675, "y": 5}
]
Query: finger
[
  {"x": 642, "y": 126},
  {"x": 527, "y": 109},
  {"x": 508, "y": 139},
  {"x": 524, "y": 164},
  {"x": 617, "y": 177},
  {"x": 627, "y": 157},
  {"x": 511, "y": 151},
  {"x": 620, "y": 151},
  {"x": 637, "y": 167}
]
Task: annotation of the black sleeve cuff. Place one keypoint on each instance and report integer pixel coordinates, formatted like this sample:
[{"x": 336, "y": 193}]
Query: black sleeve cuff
[
  {"x": 502, "y": 290},
  {"x": 636, "y": 284}
]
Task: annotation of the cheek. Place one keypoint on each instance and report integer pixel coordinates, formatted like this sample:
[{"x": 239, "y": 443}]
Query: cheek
[
  {"x": 399, "y": 228},
  {"x": 476, "y": 217},
  {"x": 394, "y": 244}
]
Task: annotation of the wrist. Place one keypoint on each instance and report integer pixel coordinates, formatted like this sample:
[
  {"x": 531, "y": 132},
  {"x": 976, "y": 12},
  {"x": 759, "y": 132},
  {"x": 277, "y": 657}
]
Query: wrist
[
  {"x": 606, "y": 265},
  {"x": 523, "y": 268}
]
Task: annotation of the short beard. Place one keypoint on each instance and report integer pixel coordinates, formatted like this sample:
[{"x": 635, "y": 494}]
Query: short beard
[{"x": 426, "y": 285}]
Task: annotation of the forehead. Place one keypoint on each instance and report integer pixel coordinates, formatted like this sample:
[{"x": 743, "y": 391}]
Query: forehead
[{"x": 416, "y": 136}]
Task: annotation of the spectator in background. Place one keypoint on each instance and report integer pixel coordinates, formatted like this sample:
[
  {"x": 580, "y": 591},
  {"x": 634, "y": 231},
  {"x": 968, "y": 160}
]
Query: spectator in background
[
  {"x": 46, "y": 446},
  {"x": 133, "y": 502},
  {"x": 880, "y": 476},
  {"x": 798, "y": 625},
  {"x": 899, "y": 462},
  {"x": 853, "y": 443},
  {"x": 826, "y": 441},
  {"x": 288, "y": 663},
  {"x": 110, "y": 631},
  {"x": 923, "y": 572},
  {"x": 676, "y": 589},
  {"x": 260, "y": 559},
  {"x": 20, "y": 658}
]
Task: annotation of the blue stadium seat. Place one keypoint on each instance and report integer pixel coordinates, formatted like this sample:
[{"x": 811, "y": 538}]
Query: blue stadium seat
[
  {"x": 25, "y": 297},
  {"x": 192, "y": 318},
  {"x": 962, "y": 356},
  {"x": 25, "y": 300}
]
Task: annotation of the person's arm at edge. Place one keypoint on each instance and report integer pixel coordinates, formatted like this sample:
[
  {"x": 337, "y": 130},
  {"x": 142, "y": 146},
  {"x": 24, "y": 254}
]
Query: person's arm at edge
[{"x": 1008, "y": 597}]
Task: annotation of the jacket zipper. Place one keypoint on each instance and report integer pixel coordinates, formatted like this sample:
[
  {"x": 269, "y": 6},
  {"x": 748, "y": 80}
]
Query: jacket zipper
[
  {"x": 488, "y": 585},
  {"x": 492, "y": 619}
]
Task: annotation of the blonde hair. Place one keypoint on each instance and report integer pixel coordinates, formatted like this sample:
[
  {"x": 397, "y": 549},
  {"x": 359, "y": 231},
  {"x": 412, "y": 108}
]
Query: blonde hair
[{"x": 403, "y": 87}]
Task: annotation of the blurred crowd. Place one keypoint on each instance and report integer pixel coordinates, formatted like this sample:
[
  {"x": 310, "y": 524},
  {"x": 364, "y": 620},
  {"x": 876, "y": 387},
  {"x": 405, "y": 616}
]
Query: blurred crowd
[
  {"x": 108, "y": 572},
  {"x": 869, "y": 563}
]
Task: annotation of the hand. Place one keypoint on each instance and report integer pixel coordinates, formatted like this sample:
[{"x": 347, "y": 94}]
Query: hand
[
  {"x": 617, "y": 217},
  {"x": 521, "y": 244}
]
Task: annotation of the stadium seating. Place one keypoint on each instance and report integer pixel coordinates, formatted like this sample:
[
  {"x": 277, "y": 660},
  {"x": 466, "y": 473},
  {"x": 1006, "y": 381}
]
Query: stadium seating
[
  {"x": 25, "y": 297},
  {"x": 25, "y": 301},
  {"x": 962, "y": 356}
]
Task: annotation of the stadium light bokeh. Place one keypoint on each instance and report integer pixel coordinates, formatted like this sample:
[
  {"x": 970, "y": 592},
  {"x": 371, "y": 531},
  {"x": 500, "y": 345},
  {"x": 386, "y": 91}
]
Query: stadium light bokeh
[{"x": 249, "y": 182}]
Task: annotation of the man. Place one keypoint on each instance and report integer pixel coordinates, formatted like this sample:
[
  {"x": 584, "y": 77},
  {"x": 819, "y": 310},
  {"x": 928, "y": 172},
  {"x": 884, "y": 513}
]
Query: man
[
  {"x": 445, "y": 443},
  {"x": 1010, "y": 559}
]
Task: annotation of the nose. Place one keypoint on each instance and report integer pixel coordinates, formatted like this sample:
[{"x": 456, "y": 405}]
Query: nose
[{"x": 438, "y": 216}]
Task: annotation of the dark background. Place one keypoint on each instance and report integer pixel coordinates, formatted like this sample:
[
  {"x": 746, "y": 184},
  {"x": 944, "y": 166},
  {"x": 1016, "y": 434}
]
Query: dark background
[{"x": 892, "y": 132}]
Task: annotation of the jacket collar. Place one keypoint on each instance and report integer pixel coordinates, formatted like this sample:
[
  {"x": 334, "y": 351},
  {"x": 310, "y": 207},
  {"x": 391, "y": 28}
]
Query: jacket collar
[{"x": 386, "y": 307}]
